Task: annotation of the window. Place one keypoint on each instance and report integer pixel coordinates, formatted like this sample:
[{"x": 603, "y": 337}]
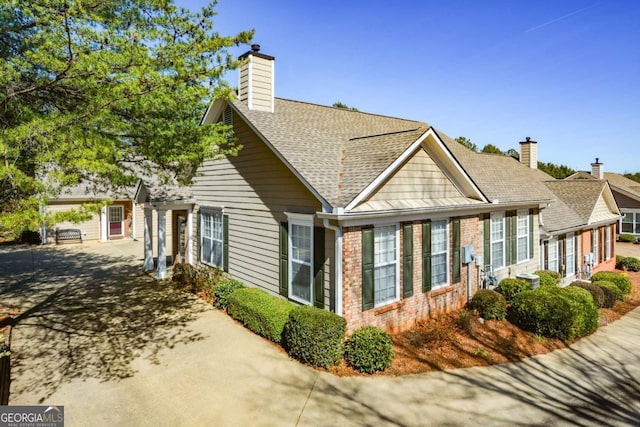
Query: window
[
  {"x": 497, "y": 240},
  {"x": 439, "y": 253},
  {"x": 212, "y": 238},
  {"x": 385, "y": 261},
  {"x": 523, "y": 235},
  {"x": 301, "y": 258},
  {"x": 630, "y": 223},
  {"x": 552, "y": 257},
  {"x": 607, "y": 242},
  {"x": 570, "y": 256}
]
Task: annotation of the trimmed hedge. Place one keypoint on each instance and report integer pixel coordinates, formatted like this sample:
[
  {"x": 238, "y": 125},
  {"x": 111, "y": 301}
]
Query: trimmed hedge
[
  {"x": 629, "y": 238},
  {"x": 510, "y": 287},
  {"x": 489, "y": 304},
  {"x": 584, "y": 313},
  {"x": 609, "y": 294},
  {"x": 222, "y": 292},
  {"x": 194, "y": 279},
  {"x": 315, "y": 336},
  {"x": 612, "y": 288},
  {"x": 543, "y": 313},
  {"x": 260, "y": 312},
  {"x": 627, "y": 263},
  {"x": 597, "y": 294},
  {"x": 369, "y": 349},
  {"x": 548, "y": 278},
  {"x": 621, "y": 280}
]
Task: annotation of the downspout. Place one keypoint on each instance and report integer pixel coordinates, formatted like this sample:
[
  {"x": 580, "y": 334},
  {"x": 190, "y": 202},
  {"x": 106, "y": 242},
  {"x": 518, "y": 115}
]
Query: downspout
[{"x": 338, "y": 263}]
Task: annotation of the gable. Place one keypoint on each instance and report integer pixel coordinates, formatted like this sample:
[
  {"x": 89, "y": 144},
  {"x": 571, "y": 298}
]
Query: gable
[
  {"x": 604, "y": 209},
  {"x": 422, "y": 181}
]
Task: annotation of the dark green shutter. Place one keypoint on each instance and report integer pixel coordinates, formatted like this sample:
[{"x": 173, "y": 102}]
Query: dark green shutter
[
  {"x": 487, "y": 239},
  {"x": 284, "y": 259},
  {"x": 318, "y": 266},
  {"x": 456, "y": 250},
  {"x": 225, "y": 243},
  {"x": 368, "y": 291},
  {"x": 562, "y": 250},
  {"x": 407, "y": 260},
  {"x": 426, "y": 256},
  {"x": 531, "y": 234}
]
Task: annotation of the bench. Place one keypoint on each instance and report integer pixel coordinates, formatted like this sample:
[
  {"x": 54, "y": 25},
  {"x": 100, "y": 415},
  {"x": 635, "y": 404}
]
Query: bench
[{"x": 68, "y": 235}]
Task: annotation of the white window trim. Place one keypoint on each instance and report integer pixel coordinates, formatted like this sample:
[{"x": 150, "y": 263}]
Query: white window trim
[
  {"x": 397, "y": 297},
  {"x": 211, "y": 211},
  {"x": 502, "y": 215},
  {"x": 447, "y": 252},
  {"x": 607, "y": 243},
  {"x": 523, "y": 213},
  {"x": 595, "y": 245},
  {"x": 570, "y": 261},
  {"x": 121, "y": 208},
  {"x": 553, "y": 243},
  {"x": 305, "y": 220}
]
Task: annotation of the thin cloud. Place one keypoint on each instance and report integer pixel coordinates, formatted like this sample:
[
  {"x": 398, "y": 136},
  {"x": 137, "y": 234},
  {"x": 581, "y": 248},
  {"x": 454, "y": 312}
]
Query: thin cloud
[{"x": 553, "y": 21}]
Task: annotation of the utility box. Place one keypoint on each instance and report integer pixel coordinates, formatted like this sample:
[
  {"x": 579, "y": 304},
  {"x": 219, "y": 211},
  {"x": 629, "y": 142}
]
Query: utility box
[
  {"x": 468, "y": 254},
  {"x": 533, "y": 279}
]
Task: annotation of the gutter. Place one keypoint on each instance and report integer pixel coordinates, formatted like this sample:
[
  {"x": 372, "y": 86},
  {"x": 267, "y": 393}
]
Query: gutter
[{"x": 338, "y": 263}]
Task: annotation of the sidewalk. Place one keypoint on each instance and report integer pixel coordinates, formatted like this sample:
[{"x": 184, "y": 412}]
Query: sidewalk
[{"x": 115, "y": 347}]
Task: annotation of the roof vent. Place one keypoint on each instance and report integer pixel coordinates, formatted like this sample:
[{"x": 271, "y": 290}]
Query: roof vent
[{"x": 255, "y": 48}]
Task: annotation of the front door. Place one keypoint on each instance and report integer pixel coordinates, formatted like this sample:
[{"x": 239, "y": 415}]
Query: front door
[{"x": 116, "y": 221}]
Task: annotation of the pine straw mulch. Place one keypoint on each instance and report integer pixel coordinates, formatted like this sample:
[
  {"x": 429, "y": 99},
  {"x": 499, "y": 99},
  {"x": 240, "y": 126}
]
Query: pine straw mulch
[{"x": 463, "y": 340}]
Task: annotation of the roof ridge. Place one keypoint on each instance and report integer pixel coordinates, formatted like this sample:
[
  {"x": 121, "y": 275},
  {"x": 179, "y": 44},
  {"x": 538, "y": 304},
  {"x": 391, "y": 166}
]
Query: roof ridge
[
  {"x": 347, "y": 110},
  {"x": 383, "y": 134}
]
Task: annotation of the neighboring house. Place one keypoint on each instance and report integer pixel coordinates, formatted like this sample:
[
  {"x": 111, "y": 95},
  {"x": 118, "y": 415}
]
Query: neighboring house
[
  {"x": 626, "y": 192},
  {"x": 115, "y": 221},
  {"x": 369, "y": 216}
]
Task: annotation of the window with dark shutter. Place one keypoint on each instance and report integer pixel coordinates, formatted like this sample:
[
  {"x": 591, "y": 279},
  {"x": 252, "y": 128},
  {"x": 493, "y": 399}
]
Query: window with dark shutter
[
  {"x": 456, "y": 251},
  {"x": 368, "y": 291},
  {"x": 318, "y": 266},
  {"x": 407, "y": 260},
  {"x": 284, "y": 259},
  {"x": 426, "y": 256},
  {"x": 225, "y": 241}
]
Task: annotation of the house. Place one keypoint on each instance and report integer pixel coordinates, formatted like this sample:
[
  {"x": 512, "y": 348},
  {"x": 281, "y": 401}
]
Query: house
[
  {"x": 117, "y": 220},
  {"x": 379, "y": 219},
  {"x": 626, "y": 192}
]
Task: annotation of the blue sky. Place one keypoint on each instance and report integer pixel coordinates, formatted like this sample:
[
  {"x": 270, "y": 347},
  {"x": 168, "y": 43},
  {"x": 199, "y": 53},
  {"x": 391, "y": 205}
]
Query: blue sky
[{"x": 565, "y": 73}]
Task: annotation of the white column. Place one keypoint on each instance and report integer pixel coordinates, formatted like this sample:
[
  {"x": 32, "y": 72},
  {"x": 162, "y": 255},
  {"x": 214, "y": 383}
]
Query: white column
[
  {"x": 162, "y": 239},
  {"x": 133, "y": 220},
  {"x": 190, "y": 237},
  {"x": 148, "y": 239},
  {"x": 103, "y": 224}
]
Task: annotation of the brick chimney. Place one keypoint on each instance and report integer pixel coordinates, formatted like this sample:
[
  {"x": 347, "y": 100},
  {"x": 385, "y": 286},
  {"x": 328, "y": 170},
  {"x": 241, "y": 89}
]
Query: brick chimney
[
  {"x": 529, "y": 153},
  {"x": 256, "y": 87},
  {"x": 597, "y": 169}
]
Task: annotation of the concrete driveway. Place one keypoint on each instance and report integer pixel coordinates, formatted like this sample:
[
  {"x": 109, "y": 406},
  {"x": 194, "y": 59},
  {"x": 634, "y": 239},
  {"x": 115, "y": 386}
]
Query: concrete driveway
[{"x": 117, "y": 348}]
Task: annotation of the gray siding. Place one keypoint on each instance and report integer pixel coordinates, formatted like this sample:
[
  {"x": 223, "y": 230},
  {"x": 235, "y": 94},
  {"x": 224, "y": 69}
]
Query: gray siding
[{"x": 255, "y": 189}]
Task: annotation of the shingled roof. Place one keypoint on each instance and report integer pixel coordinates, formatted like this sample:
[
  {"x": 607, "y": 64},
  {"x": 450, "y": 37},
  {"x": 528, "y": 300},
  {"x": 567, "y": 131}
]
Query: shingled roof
[
  {"x": 623, "y": 183},
  {"x": 337, "y": 151}
]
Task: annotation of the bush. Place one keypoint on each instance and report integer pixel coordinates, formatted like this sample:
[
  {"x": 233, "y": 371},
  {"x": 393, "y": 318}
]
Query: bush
[
  {"x": 584, "y": 313},
  {"x": 543, "y": 313},
  {"x": 627, "y": 263},
  {"x": 629, "y": 238},
  {"x": 260, "y": 312},
  {"x": 597, "y": 294},
  {"x": 30, "y": 237},
  {"x": 369, "y": 349},
  {"x": 610, "y": 294},
  {"x": 314, "y": 336},
  {"x": 617, "y": 293},
  {"x": 190, "y": 278},
  {"x": 222, "y": 292},
  {"x": 621, "y": 280},
  {"x": 489, "y": 304},
  {"x": 509, "y": 287},
  {"x": 548, "y": 278}
]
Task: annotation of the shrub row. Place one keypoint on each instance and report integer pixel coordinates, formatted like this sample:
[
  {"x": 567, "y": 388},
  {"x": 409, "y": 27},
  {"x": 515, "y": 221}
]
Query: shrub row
[
  {"x": 310, "y": 335},
  {"x": 629, "y": 238},
  {"x": 621, "y": 280},
  {"x": 548, "y": 278},
  {"x": 510, "y": 287}
]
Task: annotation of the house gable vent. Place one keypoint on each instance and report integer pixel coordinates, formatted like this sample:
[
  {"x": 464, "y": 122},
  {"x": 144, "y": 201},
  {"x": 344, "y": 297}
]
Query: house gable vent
[{"x": 227, "y": 116}]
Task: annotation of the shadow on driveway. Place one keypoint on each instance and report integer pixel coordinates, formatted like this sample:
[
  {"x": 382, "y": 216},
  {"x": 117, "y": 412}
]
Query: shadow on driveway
[{"x": 86, "y": 315}]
